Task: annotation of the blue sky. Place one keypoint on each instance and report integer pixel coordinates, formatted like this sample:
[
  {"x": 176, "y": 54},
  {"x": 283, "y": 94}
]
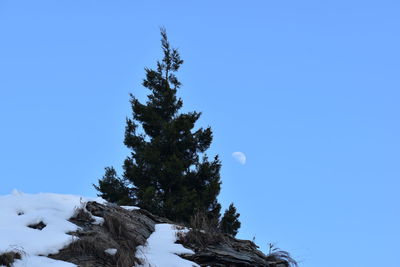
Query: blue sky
[{"x": 308, "y": 90}]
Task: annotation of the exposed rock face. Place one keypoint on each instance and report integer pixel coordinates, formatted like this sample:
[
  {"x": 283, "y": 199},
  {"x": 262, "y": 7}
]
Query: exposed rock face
[
  {"x": 124, "y": 230},
  {"x": 232, "y": 252}
]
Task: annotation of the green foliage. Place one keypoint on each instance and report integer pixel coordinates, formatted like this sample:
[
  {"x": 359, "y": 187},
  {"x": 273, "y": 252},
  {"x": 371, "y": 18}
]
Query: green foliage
[
  {"x": 112, "y": 188},
  {"x": 230, "y": 223},
  {"x": 168, "y": 171}
]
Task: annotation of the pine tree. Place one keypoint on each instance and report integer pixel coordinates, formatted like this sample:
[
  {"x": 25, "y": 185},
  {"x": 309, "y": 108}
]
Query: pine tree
[
  {"x": 230, "y": 223},
  {"x": 169, "y": 173},
  {"x": 112, "y": 188}
]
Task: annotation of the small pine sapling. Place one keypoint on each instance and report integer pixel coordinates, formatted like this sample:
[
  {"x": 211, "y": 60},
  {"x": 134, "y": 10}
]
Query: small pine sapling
[{"x": 230, "y": 223}]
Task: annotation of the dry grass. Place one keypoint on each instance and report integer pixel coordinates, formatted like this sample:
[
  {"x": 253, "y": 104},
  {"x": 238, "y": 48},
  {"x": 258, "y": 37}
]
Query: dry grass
[
  {"x": 203, "y": 232},
  {"x": 82, "y": 215},
  {"x": 8, "y": 258},
  {"x": 92, "y": 249},
  {"x": 277, "y": 255},
  {"x": 89, "y": 246},
  {"x": 126, "y": 259},
  {"x": 38, "y": 226},
  {"x": 115, "y": 226},
  {"x": 113, "y": 233},
  {"x": 118, "y": 229}
]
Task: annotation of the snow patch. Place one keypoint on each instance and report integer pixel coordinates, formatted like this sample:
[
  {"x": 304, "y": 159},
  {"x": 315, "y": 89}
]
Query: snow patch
[
  {"x": 97, "y": 220},
  {"x": 111, "y": 251},
  {"x": 130, "y": 207},
  {"x": 19, "y": 210},
  {"x": 161, "y": 249}
]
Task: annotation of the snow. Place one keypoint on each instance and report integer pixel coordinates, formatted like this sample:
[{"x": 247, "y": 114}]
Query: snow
[
  {"x": 130, "y": 207},
  {"x": 97, "y": 220},
  {"x": 111, "y": 251},
  {"x": 19, "y": 210},
  {"x": 161, "y": 249}
]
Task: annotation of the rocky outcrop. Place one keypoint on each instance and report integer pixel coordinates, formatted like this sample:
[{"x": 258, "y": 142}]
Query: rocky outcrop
[
  {"x": 117, "y": 228},
  {"x": 124, "y": 230},
  {"x": 232, "y": 252}
]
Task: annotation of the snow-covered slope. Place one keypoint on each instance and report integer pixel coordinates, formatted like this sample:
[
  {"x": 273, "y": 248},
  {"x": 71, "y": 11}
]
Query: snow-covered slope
[{"x": 19, "y": 212}]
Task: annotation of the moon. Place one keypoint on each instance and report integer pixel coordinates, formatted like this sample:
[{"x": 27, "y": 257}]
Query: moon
[{"x": 240, "y": 157}]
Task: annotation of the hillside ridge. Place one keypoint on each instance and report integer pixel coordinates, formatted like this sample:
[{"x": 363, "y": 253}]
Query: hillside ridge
[{"x": 66, "y": 230}]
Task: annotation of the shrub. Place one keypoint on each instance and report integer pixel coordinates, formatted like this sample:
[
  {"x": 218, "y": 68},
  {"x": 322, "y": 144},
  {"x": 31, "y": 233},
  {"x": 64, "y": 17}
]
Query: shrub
[{"x": 203, "y": 231}]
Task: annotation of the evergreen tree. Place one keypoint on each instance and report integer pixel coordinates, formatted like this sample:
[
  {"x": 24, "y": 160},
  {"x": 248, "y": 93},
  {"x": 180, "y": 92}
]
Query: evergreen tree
[
  {"x": 230, "y": 223},
  {"x": 112, "y": 188},
  {"x": 168, "y": 171}
]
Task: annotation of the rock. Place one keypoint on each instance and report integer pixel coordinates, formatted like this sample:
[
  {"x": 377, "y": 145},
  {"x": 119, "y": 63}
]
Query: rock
[
  {"x": 232, "y": 252},
  {"x": 124, "y": 230}
]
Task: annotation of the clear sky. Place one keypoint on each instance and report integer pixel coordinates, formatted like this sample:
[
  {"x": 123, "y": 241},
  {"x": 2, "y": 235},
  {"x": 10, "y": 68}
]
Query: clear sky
[{"x": 309, "y": 91}]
